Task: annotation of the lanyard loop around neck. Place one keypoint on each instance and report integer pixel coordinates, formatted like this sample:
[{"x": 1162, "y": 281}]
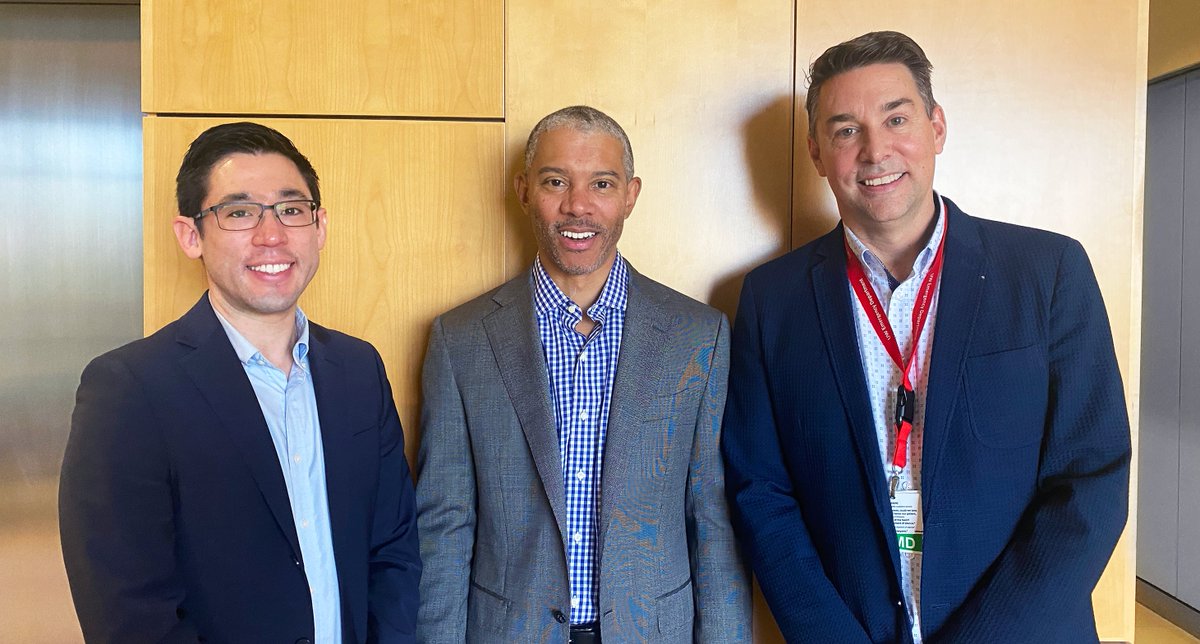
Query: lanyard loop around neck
[{"x": 869, "y": 300}]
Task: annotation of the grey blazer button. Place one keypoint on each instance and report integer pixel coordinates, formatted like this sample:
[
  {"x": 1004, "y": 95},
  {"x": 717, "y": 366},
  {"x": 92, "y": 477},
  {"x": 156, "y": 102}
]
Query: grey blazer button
[{"x": 558, "y": 616}]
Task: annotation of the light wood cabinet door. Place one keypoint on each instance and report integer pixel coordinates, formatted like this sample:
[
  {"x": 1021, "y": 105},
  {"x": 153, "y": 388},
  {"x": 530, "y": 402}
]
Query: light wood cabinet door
[{"x": 314, "y": 57}]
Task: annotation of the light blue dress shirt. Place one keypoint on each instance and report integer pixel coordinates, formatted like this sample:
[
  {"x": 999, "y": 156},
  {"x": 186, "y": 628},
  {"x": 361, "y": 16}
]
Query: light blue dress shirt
[{"x": 289, "y": 405}]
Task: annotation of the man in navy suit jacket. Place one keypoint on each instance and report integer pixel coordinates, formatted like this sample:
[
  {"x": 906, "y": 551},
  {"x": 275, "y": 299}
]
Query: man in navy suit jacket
[
  {"x": 239, "y": 476},
  {"x": 926, "y": 436}
]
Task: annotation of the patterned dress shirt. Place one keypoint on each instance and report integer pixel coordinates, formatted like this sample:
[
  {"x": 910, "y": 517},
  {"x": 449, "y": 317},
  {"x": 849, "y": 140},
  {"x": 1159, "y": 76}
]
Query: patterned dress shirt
[
  {"x": 883, "y": 376},
  {"x": 581, "y": 370}
]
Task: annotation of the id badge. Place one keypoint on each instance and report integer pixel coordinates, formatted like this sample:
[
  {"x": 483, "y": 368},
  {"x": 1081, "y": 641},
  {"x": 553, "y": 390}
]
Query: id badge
[{"x": 906, "y": 516}]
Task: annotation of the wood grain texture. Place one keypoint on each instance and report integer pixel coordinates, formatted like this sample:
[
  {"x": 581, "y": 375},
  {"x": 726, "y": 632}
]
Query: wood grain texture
[
  {"x": 312, "y": 57},
  {"x": 704, "y": 90},
  {"x": 1046, "y": 128},
  {"x": 415, "y": 227}
]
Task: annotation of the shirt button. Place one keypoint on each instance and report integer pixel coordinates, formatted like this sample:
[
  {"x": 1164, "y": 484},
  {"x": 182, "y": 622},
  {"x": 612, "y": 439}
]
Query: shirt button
[
  {"x": 581, "y": 475},
  {"x": 297, "y": 458},
  {"x": 577, "y": 537},
  {"x": 572, "y": 308},
  {"x": 574, "y": 602},
  {"x": 583, "y": 415},
  {"x": 304, "y": 523},
  {"x": 583, "y": 357}
]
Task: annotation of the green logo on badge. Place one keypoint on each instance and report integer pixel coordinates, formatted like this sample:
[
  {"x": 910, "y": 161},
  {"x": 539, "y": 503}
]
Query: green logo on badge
[{"x": 909, "y": 542}]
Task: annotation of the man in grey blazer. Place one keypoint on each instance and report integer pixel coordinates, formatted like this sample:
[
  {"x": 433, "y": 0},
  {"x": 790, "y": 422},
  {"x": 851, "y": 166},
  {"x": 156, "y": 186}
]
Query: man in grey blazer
[{"x": 570, "y": 484}]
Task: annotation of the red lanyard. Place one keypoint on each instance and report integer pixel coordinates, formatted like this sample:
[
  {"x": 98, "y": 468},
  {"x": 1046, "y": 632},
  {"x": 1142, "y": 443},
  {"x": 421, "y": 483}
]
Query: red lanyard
[{"x": 905, "y": 396}]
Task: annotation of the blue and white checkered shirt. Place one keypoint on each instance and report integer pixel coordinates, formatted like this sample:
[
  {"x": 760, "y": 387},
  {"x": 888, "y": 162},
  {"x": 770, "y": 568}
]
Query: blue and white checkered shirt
[{"x": 581, "y": 371}]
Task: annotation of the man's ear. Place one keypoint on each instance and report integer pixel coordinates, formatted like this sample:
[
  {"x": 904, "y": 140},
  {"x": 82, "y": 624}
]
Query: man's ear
[
  {"x": 521, "y": 187},
  {"x": 188, "y": 236},
  {"x": 938, "y": 121},
  {"x": 631, "y": 195},
  {"x": 814, "y": 153},
  {"x": 322, "y": 227}
]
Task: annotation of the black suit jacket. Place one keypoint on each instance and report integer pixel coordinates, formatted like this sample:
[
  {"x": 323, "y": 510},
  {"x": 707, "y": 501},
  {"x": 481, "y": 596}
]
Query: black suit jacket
[
  {"x": 1026, "y": 446},
  {"x": 174, "y": 514}
]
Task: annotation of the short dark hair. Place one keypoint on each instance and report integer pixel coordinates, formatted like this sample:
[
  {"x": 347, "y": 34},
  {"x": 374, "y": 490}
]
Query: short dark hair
[
  {"x": 581, "y": 118},
  {"x": 218, "y": 142},
  {"x": 870, "y": 49}
]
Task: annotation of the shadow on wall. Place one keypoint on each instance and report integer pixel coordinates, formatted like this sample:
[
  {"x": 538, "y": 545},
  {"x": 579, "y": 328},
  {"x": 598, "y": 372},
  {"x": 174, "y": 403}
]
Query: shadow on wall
[
  {"x": 761, "y": 134},
  {"x": 812, "y": 202}
]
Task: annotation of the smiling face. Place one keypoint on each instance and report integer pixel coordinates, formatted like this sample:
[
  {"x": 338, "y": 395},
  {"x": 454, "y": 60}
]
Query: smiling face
[
  {"x": 875, "y": 143},
  {"x": 257, "y": 273},
  {"x": 577, "y": 196}
]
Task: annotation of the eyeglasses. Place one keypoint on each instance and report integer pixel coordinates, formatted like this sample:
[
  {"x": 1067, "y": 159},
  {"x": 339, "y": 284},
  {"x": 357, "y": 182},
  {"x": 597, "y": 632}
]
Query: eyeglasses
[{"x": 245, "y": 215}]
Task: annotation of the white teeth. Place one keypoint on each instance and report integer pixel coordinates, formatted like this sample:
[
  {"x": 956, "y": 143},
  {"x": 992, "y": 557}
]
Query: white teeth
[
  {"x": 573, "y": 235},
  {"x": 270, "y": 269},
  {"x": 882, "y": 181}
]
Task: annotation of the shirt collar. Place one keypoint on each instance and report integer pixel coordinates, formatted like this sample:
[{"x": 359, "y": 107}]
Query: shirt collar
[
  {"x": 247, "y": 353},
  {"x": 875, "y": 266},
  {"x": 547, "y": 297}
]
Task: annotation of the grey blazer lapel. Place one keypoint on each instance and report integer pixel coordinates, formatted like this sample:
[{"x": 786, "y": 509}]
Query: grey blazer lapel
[
  {"x": 640, "y": 362},
  {"x": 513, "y": 335}
]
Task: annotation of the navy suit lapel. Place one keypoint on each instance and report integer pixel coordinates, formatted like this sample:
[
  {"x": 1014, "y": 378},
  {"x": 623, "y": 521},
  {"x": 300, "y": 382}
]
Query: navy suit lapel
[
  {"x": 639, "y": 364},
  {"x": 342, "y": 467},
  {"x": 958, "y": 307},
  {"x": 218, "y": 375},
  {"x": 832, "y": 291},
  {"x": 513, "y": 335}
]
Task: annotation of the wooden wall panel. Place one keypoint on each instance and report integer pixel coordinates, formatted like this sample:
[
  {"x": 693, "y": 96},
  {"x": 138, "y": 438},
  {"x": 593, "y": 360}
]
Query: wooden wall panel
[
  {"x": 1046, "y": 123},
  {"x": 1174, "y": 36},
  {"x": 416, "y": 226},
  {"x": 704, "y": 90},
  {"x": 362, "y": 58}
]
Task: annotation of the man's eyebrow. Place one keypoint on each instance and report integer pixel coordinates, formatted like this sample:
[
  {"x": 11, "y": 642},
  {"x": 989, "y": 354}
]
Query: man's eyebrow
[
  {"x": 289, "y": 193},
  {"x": 599, "y": 173},
  {"x": 887, "y": 107}
]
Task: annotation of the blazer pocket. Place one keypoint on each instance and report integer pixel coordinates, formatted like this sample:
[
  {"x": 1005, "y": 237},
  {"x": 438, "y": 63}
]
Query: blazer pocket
[
  {"x": 676, "y": 610},
  {"x": 684, "y": 402},
  {"x": 486, "y": 611},
  {"x": 1006, "y": 396}
]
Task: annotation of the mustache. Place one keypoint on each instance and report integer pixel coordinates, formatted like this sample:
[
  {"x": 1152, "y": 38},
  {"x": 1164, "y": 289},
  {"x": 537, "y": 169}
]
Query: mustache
[{"x": 579, "y": 225}]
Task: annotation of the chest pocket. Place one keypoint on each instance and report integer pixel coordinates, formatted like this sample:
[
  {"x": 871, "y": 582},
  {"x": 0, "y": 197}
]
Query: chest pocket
[{"x": 1007, "y": 392}]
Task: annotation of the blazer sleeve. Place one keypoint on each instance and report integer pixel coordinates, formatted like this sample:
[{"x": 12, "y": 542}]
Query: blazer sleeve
[
  {"x": 116, "y": 516},
  {"x": 805, "y": 604},
  {"x": 445, "y": 499},
  {"x": 720, "y": 585},
  {"x": 1068, "y": 532},
  {"x": 395, "y": 562}
]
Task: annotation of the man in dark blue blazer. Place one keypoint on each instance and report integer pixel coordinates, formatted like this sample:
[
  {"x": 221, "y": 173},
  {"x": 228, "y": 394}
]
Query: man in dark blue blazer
[
  {"x": 926, "y": 436},
  {"x": 239, "y": 476}
]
